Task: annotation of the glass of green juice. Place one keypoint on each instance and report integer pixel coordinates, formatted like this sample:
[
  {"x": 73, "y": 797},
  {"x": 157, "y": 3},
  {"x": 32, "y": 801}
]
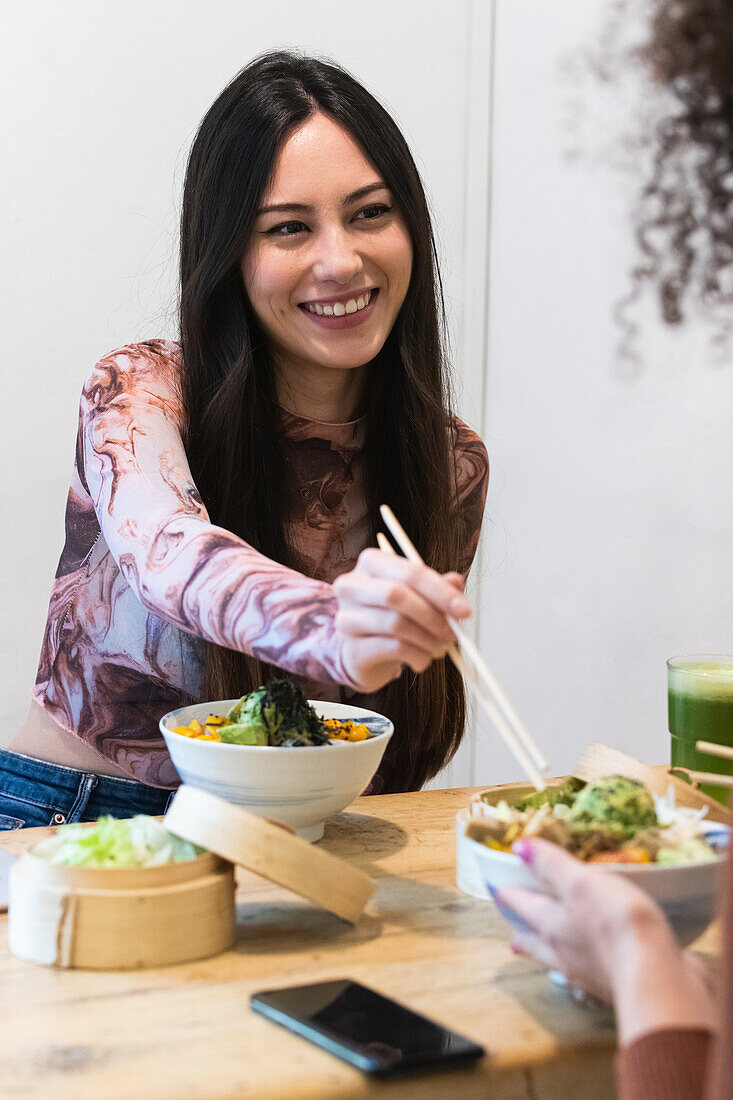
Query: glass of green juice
[{"x": 700, "y": 707}]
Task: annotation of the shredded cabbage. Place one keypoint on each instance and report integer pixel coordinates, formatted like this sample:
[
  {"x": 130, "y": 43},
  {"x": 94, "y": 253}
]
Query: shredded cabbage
[
  {"x": 693, "y": 850},
  {"x": 135, "y": 842}
]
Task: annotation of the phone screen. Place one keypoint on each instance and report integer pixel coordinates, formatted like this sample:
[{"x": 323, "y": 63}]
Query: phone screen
[{"x": 359, "y": 1025}]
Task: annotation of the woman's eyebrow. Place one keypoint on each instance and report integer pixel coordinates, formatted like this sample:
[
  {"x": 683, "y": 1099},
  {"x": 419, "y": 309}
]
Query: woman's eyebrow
[{"x": 302, "y": 208}]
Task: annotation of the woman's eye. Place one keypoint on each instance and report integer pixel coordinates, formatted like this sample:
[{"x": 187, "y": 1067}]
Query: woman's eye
[
  {"x": 286, "y": 229},
  {"x": 371, "y": 213}
]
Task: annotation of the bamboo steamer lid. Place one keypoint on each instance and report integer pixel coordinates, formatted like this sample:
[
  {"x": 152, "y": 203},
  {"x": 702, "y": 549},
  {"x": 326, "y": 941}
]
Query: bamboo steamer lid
[
  {"x": 270, "y": 850},
  {"x": 101, "y": 918}
]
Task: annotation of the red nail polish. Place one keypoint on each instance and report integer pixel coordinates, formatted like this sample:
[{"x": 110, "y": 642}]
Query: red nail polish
[{"x": 525, "y": 850}]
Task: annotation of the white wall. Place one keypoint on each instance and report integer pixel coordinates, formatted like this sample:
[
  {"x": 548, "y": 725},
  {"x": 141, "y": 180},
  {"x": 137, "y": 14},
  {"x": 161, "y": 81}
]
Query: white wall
[
  {"x": 100, "y": 103},
  {"x": 610, "y": 498}
]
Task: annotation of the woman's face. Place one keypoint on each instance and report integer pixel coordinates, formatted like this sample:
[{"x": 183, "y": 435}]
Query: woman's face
[{"x": 328, "y": 265}]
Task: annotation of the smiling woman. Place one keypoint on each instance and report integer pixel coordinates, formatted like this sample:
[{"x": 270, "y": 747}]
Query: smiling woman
[
  {"x": 226, "y": 490},
  {"x": 330, "y": 254}
]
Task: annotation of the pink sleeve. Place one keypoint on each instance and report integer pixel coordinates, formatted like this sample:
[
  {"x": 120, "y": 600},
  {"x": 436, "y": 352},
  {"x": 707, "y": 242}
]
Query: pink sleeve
[
  {"x": 200, "y": 577},
  {"x": 665, "y": 1064}
]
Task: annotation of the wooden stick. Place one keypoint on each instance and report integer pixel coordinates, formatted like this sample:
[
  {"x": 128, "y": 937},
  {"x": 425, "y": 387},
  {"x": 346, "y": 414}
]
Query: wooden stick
[
  {"x": 713, "y": 749},
  {"x": 471, "y": 679},
  {"x": 713, "y": 778},
  {"x": 495, "y": 703},
  {"x": 454, "y": 652},
  {"x": 482, "y": 669}
]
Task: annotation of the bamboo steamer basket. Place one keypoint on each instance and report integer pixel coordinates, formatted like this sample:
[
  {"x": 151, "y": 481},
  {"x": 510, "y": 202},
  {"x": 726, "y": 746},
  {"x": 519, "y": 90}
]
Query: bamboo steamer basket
[{"x": 100, "y": 918}]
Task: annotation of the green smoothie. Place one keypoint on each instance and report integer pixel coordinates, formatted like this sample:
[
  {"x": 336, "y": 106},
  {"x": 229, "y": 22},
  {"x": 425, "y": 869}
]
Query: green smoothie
[{"x": 701, "y": 709}]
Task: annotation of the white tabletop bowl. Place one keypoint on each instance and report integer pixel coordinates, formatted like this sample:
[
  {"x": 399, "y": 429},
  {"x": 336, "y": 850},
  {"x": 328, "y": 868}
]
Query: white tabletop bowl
[
  {"x": 299, "y": 787},
  {"x": 686, "y": 894}
]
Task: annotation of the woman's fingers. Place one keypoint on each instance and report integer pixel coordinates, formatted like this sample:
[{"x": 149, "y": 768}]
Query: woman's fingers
[
  {"x": 420, "y": 578},
  {"x": 392, "y": 613},
  {"x": 552, "y": 865},
  {"x": 376, "y": 660},
  {"x": 358, "y": 590},
  {"x": 528, "y": 943},
  {"x": 537, "y": 911},
  {"x": 368, "y": 621}
]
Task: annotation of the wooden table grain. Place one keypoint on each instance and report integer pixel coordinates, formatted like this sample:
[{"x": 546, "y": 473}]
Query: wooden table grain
[{"x": 187, "y": 1031}]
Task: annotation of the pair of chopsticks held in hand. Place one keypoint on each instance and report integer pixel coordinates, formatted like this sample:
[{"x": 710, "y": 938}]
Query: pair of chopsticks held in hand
[{"x": 476, "y": 673}]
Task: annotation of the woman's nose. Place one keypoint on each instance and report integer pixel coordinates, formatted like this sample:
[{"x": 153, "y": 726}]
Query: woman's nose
[{"x": 336, "y": 260}]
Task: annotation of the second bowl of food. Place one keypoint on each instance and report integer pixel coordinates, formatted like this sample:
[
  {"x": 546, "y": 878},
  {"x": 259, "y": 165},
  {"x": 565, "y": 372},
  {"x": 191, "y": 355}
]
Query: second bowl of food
[
  {"x": 616, "y": 825},
  {"x": 283, "y": 757}
]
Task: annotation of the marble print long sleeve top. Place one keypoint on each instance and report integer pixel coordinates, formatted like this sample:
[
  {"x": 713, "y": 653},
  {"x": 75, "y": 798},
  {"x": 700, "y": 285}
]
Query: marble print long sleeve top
[{"x": 144, "y": 575}]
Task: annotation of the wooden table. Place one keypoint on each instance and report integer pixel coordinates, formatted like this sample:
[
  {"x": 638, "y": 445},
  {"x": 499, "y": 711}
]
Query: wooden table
[{"x": 187, "y": 1031}]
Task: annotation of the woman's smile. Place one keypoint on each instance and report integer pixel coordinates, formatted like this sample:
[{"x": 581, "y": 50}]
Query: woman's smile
[
  {"x": 346, "y": 311},
  {"x": 330, "y": 241}
]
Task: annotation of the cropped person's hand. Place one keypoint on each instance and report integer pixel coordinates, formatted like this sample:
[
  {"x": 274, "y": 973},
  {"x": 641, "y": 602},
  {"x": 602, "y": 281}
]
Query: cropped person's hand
[
  {"x": 585, "y": 929},
  {"x": 392, "y": 613},
  {"x": 609, "y": 938}
]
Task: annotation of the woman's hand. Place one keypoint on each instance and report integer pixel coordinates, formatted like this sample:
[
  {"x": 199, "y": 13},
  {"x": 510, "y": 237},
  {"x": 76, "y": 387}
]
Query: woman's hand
[
  {"x": 609, "y": 938},
  {"x": 586, "y": 928},
  {"x": 391, "y": 613}
]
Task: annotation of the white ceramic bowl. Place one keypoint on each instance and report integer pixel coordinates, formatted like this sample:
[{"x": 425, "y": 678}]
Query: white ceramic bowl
[
  {"x": 299, "y": 787},
  {"x": 686, "y": 894}
]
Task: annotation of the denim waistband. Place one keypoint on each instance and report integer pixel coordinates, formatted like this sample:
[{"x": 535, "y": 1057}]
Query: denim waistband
[{"x": 73, "y": 795}]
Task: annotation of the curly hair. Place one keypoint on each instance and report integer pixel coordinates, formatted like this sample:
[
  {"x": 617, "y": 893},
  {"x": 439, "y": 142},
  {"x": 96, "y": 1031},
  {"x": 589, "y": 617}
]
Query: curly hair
[{"x": 685, "y": 221}]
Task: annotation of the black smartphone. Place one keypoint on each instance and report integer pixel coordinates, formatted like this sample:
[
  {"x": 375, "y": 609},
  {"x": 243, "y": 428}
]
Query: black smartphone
[{"x": 372, "y": 1033}]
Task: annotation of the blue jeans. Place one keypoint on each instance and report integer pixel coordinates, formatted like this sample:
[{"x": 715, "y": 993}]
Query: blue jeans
[{"x": 33, "y": 792}]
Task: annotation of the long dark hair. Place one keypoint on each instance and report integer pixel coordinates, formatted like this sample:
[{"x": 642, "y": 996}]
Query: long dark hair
[{"x": 227, "y": 378}]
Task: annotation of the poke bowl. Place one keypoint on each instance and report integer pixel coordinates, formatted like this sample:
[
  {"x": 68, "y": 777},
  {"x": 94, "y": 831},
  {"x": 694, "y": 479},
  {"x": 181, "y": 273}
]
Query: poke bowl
[
  {"x": 298, "y": 785},
  {"x": 686, "y": 890}
]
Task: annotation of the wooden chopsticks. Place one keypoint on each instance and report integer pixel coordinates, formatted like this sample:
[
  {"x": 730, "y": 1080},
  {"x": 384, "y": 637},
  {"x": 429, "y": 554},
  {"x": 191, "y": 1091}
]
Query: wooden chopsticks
[
  {"x": 476, "y": 673},
  {"x": 714, "y": 778},
  {"x": 713, "y": 749}
]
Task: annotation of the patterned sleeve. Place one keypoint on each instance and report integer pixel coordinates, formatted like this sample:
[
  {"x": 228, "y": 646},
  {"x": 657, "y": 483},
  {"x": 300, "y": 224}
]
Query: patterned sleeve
[
  {"x": 472, "y": 479},
  {"x": 200, "y": 577}
]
